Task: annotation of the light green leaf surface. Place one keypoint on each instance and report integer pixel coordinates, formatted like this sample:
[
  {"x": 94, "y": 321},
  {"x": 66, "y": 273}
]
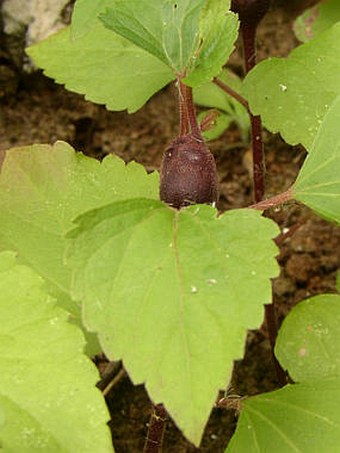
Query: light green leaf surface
[
  {"x": 103, "y": 66},
  {"x": 317, "y": 19},
  {"x": 48, "y": 398},
  {"x": 43, "y": 188},
  {"x": 218, "y": 31},
  {"x": 85, "y": 14},
  {"x": 301, "y": 418},
  {"x": 309, "y": 336},
  {"x": 318, "y": 183},
  {"x": 211, "y": 96},
  {"x": 305, "y": 417},
  {"x": 164, "y": 28},
  {"x": 293, "y": 94},
  {"x": 180, "y": 35},
  {"x": 141, "y": 23},
  {"x": 192, "y": 37},
  {"x": 172, "y": 294}
]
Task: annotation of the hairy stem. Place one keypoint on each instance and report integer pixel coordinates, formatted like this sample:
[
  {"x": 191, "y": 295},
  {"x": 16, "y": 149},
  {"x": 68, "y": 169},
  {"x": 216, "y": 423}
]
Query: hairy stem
[
  {"x": 209, "y": 120},
  {"x": 192, "y": 117},
  {"x": 154, "y": 439},
  {"x": 183, "y": 113},
  {"x": 188, "y": 117},
  {"x": 248, "y": 33},
  {"x": 274, "y": 201}
]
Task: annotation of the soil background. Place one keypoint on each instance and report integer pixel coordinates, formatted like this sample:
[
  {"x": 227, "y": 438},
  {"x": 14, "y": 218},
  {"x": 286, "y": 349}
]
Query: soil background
[{"x": 35, "y": 110}]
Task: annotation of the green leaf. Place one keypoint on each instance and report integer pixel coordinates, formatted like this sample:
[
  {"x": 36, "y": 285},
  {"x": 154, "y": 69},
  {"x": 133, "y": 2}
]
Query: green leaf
[
  {"x": 218, "y": 31},
  {"x": 298, "y": 418},
  {"x": 164, "y": 28},
  {"x": 305, "y": 83},
  {"x": 43, "y": 188},
  {"x": 192, "y": 37},
  {"x": 104, "y": 67},
  {"x": 180, "y": 37},
  {"x": 141, "y": 23},
  {"x": 317, "y": 19},
  {"x": 303, "y": 417},
  {"x": 48, "y": 399},
  {"x": 85, "y": 14},
  {"x": 310, "y": 336},
  {"x": 211, "y": 96},
  {"x": 172, "y": 294},
  {"x": 318, "y": 183}
]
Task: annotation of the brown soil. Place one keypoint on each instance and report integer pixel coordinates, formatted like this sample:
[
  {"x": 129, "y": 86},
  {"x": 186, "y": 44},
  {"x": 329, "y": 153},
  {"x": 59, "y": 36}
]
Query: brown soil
[{"x": 42, "y": 112}]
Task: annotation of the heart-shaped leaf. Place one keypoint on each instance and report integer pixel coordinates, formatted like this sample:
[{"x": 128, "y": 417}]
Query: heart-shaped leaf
[{"x": 172, "y": 294}]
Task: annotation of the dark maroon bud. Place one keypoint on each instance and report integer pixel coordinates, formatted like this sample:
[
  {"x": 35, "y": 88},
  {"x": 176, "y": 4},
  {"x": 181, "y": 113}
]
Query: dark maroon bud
[
  {"x": 188, "y": 173},
  {"x": 250, "y": 12}
]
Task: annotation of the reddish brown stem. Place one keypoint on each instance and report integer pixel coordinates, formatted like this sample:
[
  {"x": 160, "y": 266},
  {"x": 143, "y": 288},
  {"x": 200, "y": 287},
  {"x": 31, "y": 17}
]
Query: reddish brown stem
[
  {"x": 154, "y": 440},
  {"x": 272, "y": 334},
  {"x": 258, "y": 157},
  {"x": 248, "y": 33},
  {"x": 188, "y": 117},
  {"x": 274, "y": 201},
  {"x": 209, "y": 121},
  {"x": 192, "y": 117},
  {"x": 270, "y": 315},
  {"x": 232, "y": 93},
  {"x": 183, "y": 113}
]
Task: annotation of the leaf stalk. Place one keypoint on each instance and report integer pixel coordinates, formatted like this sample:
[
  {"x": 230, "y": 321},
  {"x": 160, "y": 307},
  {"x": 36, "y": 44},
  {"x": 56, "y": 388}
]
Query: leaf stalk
[
  {"x": 232, "y": 93},
  {"x": 274, "y": 201},
  {"x": 188, "y": 116}
]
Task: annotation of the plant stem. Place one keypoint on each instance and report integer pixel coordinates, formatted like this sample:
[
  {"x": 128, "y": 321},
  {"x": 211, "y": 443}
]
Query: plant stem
[
  {"x": 192, "y": 117},
  {"x": 270, "y": 316},
  {"x": 248, "y": 33},
  {"x": 258, "y": 158},
  {"x": 183, "y": 113},
  {"x": 272, "y": 334},
  {"x": 274, "y": 201},
  {"x": 209, "y": 120},
  {"x": 188, "y": 117},
  {"x": 154, "y": 439},
  {"x": 232, "y": 93}
]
